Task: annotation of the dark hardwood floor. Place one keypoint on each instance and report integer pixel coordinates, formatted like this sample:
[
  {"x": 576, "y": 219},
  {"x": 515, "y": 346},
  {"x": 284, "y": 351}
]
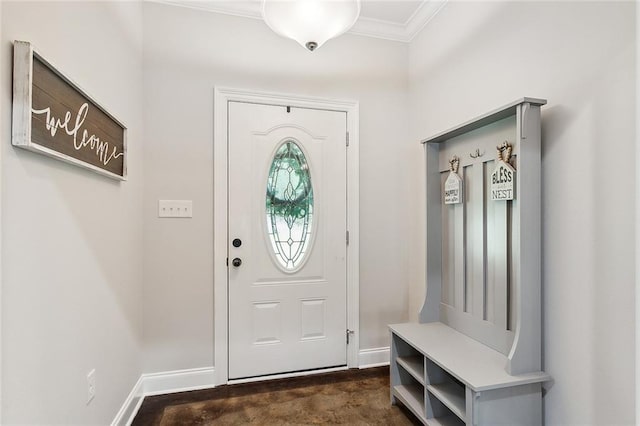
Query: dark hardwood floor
[{"x": 353, "y": 397}]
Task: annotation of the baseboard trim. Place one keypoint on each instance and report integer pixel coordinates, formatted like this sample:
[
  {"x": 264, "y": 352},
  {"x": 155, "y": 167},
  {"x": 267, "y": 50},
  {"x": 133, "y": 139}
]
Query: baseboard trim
[
  {"x": 178, "y": 381},
  {"x": 130, "y": 407},
  {"x": 374, "y": 357},
  {"x": 163, "y": 383}
]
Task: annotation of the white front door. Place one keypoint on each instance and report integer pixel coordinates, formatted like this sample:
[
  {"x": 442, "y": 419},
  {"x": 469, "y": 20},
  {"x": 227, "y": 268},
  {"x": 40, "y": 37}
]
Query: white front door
[{"x": 286, "y": 239}]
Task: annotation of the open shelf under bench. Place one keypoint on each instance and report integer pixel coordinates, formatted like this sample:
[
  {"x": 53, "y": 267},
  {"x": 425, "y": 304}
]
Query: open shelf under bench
[{"x": 445, "y": 377}]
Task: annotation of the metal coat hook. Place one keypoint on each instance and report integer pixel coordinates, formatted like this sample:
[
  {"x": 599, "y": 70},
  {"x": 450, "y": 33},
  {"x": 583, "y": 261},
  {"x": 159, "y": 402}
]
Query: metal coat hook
[{"x": 476, "y": 154}]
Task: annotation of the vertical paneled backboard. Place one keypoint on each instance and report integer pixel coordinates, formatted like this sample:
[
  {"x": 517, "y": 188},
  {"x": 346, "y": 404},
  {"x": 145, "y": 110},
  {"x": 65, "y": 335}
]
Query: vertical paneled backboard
[
  {"x": 475, "y": 238},
  {"x": 480, "y": 268}
]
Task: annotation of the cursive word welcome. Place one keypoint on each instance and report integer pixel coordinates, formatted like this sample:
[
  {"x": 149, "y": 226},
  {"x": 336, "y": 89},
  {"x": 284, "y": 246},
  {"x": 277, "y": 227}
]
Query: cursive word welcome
[{"x": 73, "y": 128}]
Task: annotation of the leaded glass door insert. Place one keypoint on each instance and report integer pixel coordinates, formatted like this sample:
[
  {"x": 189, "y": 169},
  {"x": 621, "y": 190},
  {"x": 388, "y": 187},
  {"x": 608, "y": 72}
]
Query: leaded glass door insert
[{"x": 289, "y": 205}]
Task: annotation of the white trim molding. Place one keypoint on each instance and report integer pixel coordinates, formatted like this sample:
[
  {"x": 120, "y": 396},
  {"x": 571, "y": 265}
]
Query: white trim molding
[
  {"x": 368, "y": 27},
  {"x": 162, "y": 383},
  {"x": 374, "y": 357},
  {"x": 130, "y": 406},
  {"x": 404, "y": 32},
  {"x": 178, "y": 381},
  {"x": 222, "y": 97}
]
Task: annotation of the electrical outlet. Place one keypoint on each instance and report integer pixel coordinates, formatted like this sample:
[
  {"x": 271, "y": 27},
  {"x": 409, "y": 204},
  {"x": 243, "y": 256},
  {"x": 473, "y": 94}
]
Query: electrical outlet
[
  {"x": 91, "y": 385},
  {"x": 175, "y": 208}
]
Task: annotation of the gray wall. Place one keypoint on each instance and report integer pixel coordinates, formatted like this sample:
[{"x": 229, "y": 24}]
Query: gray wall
[
  {"x": 186, "y": 54},
  {"x": 580, "y": 56},
  {"x": 71, "y": 239}
]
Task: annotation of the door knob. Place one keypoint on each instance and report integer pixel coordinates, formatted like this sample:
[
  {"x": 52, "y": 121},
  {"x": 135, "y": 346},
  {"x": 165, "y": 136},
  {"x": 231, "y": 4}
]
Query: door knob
[{"x": 236, "y": 262}]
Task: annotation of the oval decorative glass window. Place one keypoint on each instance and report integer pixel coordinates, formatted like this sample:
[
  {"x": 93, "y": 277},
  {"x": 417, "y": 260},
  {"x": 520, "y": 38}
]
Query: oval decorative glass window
[{"x": 289, "y": 205}]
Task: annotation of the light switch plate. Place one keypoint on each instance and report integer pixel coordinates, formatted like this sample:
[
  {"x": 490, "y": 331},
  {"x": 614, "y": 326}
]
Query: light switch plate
[{"x": 175, "y": 208}]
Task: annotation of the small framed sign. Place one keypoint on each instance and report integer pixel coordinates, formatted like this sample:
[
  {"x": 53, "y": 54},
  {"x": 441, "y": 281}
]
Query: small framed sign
[
  {"x": 503, "y": 178},
  {"x": 503, "y": 181},
  {"x": 453, "y": 189},
  {"x": 54, "y": 117},
  {"x": 453, "y": 185}
]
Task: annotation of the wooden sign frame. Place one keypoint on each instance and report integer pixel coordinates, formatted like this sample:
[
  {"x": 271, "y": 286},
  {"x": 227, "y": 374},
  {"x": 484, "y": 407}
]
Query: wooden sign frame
[{"x": 53, "y": 116}]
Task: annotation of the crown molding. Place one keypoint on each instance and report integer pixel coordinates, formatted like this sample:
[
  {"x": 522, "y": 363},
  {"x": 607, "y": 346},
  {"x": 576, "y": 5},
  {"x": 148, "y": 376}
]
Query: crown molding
[
  {"x": 378, "y": 28},
  {"x": 422, "y": 16},
  {"x": 367, "y": 27},
  {"x": 388, "y": 30}
]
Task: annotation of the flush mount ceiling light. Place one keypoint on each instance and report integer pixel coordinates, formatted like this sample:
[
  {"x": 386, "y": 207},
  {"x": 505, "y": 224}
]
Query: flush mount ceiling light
[{"x": 310, "y": 22}]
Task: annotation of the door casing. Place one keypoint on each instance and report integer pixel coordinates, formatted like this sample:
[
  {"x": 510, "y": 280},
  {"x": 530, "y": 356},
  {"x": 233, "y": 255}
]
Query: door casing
[{"x": 222, "y": 97}]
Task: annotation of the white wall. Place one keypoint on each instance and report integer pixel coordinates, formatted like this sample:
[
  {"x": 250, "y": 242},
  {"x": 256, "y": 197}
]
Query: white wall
[
  {"x": 72, "y": 240},
  {"x": 476, "y": 56},
  {"x": 186, "y": 54}
]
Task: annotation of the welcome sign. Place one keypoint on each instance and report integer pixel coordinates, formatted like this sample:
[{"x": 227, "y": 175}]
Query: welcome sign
[{"x": 53, "y": 116}]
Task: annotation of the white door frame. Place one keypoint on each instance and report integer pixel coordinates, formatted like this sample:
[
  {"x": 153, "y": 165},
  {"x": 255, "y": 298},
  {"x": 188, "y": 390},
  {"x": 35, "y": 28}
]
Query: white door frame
[{"x": 222, "y": 97}]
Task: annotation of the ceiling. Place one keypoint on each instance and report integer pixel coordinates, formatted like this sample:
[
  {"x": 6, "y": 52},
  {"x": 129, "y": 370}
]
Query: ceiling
[{"x": 398, "y": 20}]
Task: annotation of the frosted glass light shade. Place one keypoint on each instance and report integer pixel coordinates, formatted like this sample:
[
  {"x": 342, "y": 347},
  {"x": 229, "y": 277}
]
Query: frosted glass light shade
[{"x": 310, "y": 22}]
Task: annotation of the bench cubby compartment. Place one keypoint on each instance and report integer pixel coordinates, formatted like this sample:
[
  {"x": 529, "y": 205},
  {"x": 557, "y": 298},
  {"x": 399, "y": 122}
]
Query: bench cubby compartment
[{"x": 446, "y": 389}]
